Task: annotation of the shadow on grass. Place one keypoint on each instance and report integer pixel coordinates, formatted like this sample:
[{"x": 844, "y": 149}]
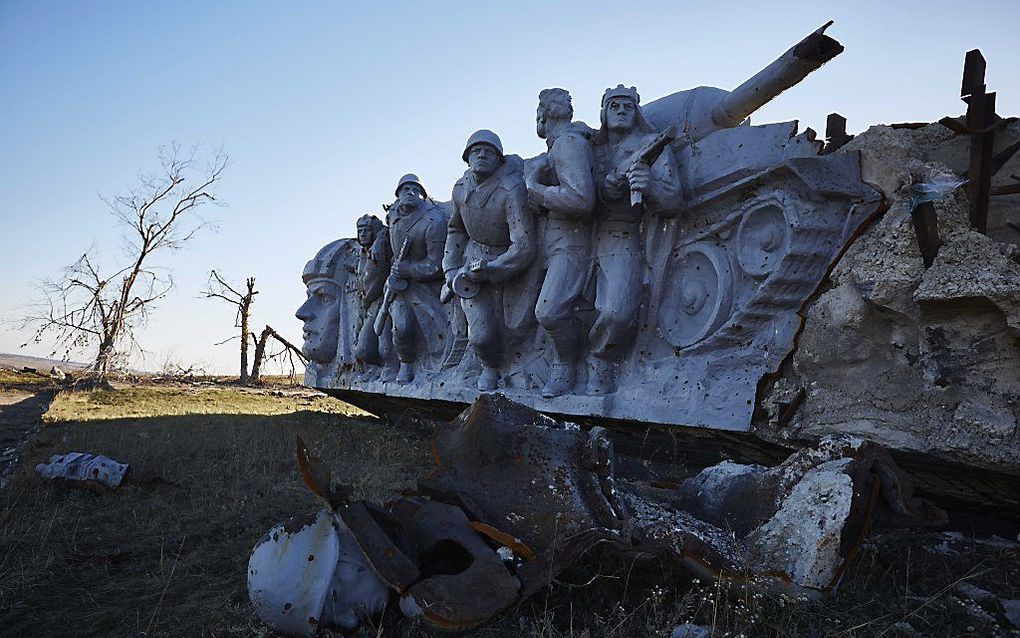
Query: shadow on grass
[{"x": 165, "y": 555}]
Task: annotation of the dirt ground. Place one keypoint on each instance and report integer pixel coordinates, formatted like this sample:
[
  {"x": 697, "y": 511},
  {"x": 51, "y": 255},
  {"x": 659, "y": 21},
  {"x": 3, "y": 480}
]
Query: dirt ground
[{"x": 212, "y": 469}]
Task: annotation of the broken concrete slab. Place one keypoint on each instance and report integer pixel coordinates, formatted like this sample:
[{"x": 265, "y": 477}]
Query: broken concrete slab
[{"x": 923, "y": 361}]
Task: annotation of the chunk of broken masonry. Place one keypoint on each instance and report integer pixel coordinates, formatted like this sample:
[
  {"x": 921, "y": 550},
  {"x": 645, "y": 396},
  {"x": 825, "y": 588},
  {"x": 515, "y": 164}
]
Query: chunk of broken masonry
[
  {"x": 90, "y": 469},
  {"x": 516, "y": 497}
]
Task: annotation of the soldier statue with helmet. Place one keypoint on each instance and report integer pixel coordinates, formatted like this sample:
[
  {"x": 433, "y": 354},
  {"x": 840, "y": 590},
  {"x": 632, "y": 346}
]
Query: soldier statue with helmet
[
  {"x": 628, "y": 188},
  {"x": 417, "y": 230},
  {"x": 490, "y": 241}
]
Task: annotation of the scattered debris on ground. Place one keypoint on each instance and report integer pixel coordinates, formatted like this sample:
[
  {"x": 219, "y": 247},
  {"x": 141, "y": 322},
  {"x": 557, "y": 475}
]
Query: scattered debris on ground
[
  {"x": 93, "y": 471},
  {"x": 515, "y": 498}
]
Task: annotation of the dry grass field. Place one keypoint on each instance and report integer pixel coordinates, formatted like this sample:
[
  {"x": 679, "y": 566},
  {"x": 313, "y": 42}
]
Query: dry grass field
[{"x": 212, "y": 468}]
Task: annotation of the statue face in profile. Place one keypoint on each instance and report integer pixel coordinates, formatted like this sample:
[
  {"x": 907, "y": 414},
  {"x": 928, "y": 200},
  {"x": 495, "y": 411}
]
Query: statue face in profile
[
  {"x": 410, "y": 196},
  {"x": 621, "y": 114},
  {"x": 540, "y": 117},
  {"x": 483, "y": 159},
  {"x": 321, "y": 316}
]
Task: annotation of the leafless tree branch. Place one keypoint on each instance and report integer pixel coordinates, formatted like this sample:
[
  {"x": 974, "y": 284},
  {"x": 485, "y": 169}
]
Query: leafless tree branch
[{"x": 92, "y": 308}]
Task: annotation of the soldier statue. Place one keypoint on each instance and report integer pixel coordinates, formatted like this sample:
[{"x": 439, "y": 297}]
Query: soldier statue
[
  {"x": 490, "y": 240},
  {"x": 562, "y": 182},
  {"x": 373, "y": 267},
  {"x": 627, "y": 189},
  {"x": 417, "y": 230}
]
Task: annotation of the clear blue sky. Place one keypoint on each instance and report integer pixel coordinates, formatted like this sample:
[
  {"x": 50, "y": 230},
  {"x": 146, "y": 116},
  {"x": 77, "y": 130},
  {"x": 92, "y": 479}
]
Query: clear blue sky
[{"x": 322, "y": 106}]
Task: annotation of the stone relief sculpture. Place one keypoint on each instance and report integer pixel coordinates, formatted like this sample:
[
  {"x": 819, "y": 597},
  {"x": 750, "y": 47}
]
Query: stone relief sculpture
[
  {"x": 330, "y": 312},
  {"x": 417, "y": 230},
  {"x": 561, "y": 182},
  {"x": 629, "y": 186},
  {"x": 490, "y": 240},
  {"x": 373, "y": 267},
  {"x": 670, "y": 251}
]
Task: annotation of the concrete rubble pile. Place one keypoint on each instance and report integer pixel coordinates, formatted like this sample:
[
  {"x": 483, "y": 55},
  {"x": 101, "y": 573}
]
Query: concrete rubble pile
[
  {"x": 516, "y": 497},
  {"x": 932, "y": 355}
]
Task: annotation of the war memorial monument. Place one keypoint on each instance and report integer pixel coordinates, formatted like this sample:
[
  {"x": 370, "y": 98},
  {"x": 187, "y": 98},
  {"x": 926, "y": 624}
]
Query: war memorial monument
[{"x": 673, "y": 268}]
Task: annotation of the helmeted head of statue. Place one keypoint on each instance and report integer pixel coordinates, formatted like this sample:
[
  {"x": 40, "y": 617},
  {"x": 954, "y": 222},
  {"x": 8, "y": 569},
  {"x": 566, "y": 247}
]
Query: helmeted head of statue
[
  {"x": 483, "y": 153},
  {"x": 368, "y": 229},
  {"x": 410, "y": 193},
  {"x": 553, "y": 104},
  {"x": 320, "y": 312},
  {"x": 621, "y": 112}
]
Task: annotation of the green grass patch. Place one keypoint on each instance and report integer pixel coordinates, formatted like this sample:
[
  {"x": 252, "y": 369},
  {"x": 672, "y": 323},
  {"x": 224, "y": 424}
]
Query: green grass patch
[{"x": 177, "y": 400}]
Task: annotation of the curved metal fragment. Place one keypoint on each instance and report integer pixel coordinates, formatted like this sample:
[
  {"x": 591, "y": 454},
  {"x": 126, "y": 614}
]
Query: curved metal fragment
[{"x": 290, "y": 572}]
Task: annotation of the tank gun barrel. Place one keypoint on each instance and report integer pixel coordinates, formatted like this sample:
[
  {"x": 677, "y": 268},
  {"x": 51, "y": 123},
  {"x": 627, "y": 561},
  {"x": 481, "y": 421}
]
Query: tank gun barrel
[{"x": 789, "y": 69}]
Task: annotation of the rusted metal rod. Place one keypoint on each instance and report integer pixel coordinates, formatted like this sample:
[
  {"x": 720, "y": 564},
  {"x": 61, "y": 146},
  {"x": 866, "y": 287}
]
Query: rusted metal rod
[
  {"x": 926, "y": 226},
  {"x": 980, "y": 118}
]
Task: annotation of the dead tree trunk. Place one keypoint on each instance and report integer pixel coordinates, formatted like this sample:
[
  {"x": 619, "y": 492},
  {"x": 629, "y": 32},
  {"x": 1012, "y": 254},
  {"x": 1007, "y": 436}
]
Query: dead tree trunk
[
  {"x": 245, "y": 314},
  {"x": 218, "y": 288},
  {"x": 260, "y": 352}
]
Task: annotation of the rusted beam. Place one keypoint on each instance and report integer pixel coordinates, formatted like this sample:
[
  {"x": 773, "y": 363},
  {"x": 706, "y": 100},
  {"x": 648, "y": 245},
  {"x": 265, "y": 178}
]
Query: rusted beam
[
  {"x": 926, "y": 226},
  {"x": 980, "y": 119},
  {"x": 980, "y": 114},
  {"x": 835, "y": 133},
  {"x": 973, "y": 74}
]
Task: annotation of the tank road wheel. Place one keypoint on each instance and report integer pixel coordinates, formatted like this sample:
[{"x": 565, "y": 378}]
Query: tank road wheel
[
  {"x": 762, "y": 240},
  {"x": 698, "y": 297}
]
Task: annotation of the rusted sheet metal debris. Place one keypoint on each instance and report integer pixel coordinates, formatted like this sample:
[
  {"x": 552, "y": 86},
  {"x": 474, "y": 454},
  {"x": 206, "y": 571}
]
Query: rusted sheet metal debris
[
  {"x": 89, "y": 469},
  {"x": 516, "y": 497},
  {"x": 534, "y": 477}
]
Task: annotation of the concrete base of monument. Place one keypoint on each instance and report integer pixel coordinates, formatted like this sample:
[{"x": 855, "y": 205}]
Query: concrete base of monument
[
  {"x": 637, "y": 439},
  {"x": 646, "y": 448},
  {"x": 444, "y": 400}
]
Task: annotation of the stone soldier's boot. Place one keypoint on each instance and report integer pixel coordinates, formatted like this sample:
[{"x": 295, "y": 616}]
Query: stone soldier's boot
[
  {"x": 406, "y": 373},
  {"x": 561, "y": 379},
  {"x": 487, "y": 379},
  {"x": 600, "y": 376}
]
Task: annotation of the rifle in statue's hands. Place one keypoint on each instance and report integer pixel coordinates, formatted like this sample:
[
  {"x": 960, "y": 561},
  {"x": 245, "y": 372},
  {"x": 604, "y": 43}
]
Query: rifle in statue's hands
[
  {"x": 649, "y": 155},
  {"x": 394, "y": 284}
]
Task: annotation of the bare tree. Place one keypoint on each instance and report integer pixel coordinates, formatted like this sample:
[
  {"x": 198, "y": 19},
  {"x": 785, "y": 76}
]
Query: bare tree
[
  {"x": 89, "y": 307},
  {"x": 288, "y": 349},
  {"x": 218, "y": 288}
]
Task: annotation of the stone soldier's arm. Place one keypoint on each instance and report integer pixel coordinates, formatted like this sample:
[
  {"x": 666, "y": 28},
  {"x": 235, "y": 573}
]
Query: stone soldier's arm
[
  {"x": 665, "y": 195},
  {"x": 456, "y": 238},
  {"x": 378, "y": 267},
  {"x": 572, "y": 159},
  {"x": 431, "y": 267},
  {"x": 523, "y": 244}
]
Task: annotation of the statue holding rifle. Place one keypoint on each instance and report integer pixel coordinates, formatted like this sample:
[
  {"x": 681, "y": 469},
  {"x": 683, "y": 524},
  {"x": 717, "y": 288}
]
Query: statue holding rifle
[
  {"x": 635, "y": 173},
  {"x": 417, "y": 231}
]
